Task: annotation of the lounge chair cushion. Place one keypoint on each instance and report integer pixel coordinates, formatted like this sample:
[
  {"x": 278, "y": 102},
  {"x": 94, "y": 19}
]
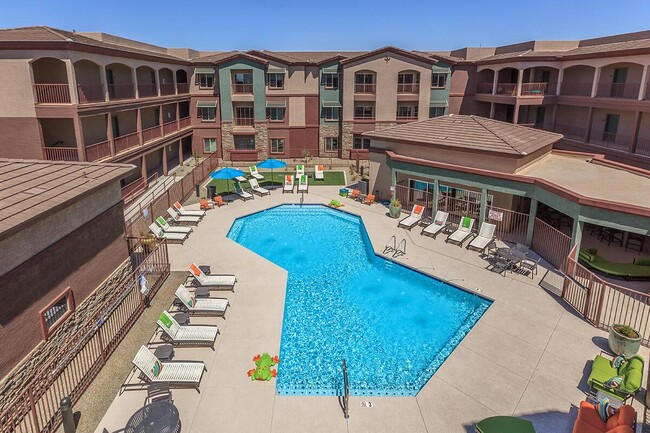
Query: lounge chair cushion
[
  {"x": 417, "y": 209},
  {"x": 618, "y": 361},
  {"x": 614, "y": 382},
  {"x": 157, "y": 368},
  {"x": 288, "y": 179},
  {"x": 165, "y": 320},
  {"x": 605, "y": 410},
  {"x": 196, "y": 271},
  {"x": 320, "y": 168},
  {"x": 192, "y": 301},
  {"x": 466, "y": 222},
  {"x": 623, "y": 416}
]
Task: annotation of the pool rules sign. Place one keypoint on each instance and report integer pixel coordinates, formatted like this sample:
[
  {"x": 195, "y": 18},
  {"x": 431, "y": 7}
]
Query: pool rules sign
[{"x": 495, "y": 216}]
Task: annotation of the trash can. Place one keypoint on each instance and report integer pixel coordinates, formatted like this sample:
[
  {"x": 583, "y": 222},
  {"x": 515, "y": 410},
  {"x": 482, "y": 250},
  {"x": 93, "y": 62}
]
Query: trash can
[
  {"x": 212, "y": 191},
  {"x": 197, "y": 189},
  {"x": 363, "y": 186}
]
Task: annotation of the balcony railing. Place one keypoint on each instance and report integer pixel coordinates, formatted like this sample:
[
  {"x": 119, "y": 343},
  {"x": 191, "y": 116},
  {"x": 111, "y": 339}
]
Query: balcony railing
[
  {"x": 572, "y": 132},
  {"x": 507, "y": 89},
  {"x": 534, "y": 89},
  {"x": 120, "y": 91},
  {"x": 184, "y": 122},
  {"x": 244, "y": 121},
  {"x": 408, "y": 88},
  {"x": 576, "y": 89},
  {"x": 90, "y": 93},
  {"x": 183, "y": 87},
  {"x": 484, "y": 88},
  {"x": 147, "y": 90},
  {"x": 364, "y": 88},
  {"x": 643, "y": 146},
  {"x": 167, "y": 89},
  {"x": 170, "y": 127},
  {"x": 408, "y": 118},
  {"x": 364, "y": 117},
  {"x": 125, "y": 142},
  {"x": 611, "y": 140},
  {"x": 151, "y": 133},
  {"x": 98, "y": 151},
  {"x": 60, "y": 153},
  {"x": 52, "y": 93},
  {"x": 619, "y": 90},
  {"x": 242, "y": 88}
]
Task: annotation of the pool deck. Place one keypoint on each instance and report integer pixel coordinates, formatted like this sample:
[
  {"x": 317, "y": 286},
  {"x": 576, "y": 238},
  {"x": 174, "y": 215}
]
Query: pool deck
[{"x": 529, "y": 355}]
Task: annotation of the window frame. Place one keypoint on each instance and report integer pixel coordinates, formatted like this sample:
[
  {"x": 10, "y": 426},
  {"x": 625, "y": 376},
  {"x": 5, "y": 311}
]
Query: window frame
[
  {"x": 412, "y": 112},
  {"x": 333, "y": 75},
  {"x": 328, "y": 144},
  {"x": 437, "y": 108},
  {"x": 66, "y": 294},
  {"x": 364, "y": 141},
  {"x": 247, "y": 137},
  {"x": 209, "y": 150},
  {"x": 199, "y": 80},
  {"x": 332, "y": 110},
  {"x": 280, "y": 141},
  {"x": 200, "y": 114},
  {"x": 372, "y": 111},
  {"x": 437, "y": 81},
  {"x": 269, "y": 110},
  {"x": 268, "y": 80}
]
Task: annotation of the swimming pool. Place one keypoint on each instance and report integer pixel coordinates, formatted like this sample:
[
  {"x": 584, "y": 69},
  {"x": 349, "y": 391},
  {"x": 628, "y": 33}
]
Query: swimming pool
[{"x": 393, "y": 325}]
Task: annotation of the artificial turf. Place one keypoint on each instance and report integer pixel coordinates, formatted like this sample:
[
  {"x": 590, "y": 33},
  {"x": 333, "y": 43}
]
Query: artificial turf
[{"x": 331, "y": 178}]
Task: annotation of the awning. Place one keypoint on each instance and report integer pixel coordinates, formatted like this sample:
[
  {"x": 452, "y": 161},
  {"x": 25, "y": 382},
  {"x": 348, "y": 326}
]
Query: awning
[
  {"x": 439, "y": 104},
  {"x": 276, "y": 104},
  {"x": 204, "y": 71},
  {"x": 206, "y": 104},
  {"x": 441, "y": 69},
  {"x": 334, "y": 69},
  {"x": 276, "y": 70},
  {"x": 336, "y": 104}
]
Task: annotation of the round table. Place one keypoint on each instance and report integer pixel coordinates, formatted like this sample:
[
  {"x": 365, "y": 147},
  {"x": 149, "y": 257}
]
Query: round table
[
  {"x": 511, "y": 254},
  {"x": 158, "y": 417}
]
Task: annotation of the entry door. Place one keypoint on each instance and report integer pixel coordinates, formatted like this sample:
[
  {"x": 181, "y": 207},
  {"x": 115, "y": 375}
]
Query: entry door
[
  {"x": 110, "y": 80},
  {"x": 116, "y": 126},
  {"x": 611, "y": 127},
  {"x": 618, "y": 82}
]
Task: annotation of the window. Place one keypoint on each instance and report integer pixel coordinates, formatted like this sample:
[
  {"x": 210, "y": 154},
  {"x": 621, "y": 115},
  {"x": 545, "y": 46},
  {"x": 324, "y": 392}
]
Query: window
[
  {"x": 276, "y": 80},
  {"x": 207, "y": 114},
  {"x": 209, "y": 145},
  {"x": 331, "y": 114},
  {"x": 407, "y": 112},
  {"x": 55, "y": 313},
  {"x": 277, "y": 145},
  {"x": 331, "y": 81},
  {"x": 436, "y": 111},
  {"x": 275, "y": 114},
  {"x": 242, "y": 82},
  {"x": 364, "y": 83},
  {"x": 204, "y": 80},
  {"x": 331, "y": 144},
  {"x": 408, "y": 82},
  {"x": 245, "y": 142},
  {"x": 244, "y": 116},
  {"x": 438, "y": 81},
  {"x": 361, "y": 143},
  {"x": 364, "y": 112}
]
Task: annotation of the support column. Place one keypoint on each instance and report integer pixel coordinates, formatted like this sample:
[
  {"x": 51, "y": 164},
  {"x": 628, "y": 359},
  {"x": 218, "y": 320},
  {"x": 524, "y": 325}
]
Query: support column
[
  {"x": 109, "y": 133},
  {"x": 157, "y": 75},
  {"x": 576, "y": 233},
  {"x": 102, "y": 76},
  {"x": 515, "y": 116},
  {"x": 393, "y": 180},
  {"x": 134, "y": 80},
  {"x": 594, "y": 85},
  {"x": 164, "y": 160},
  {"x": 635, "y": 134},
  {"x": 79, "y": 138},
  {"x": 72, "y": 82},
  {"x": 161, "y": 119},
  {"x": 436, "y": 193},
  {"x": 520, "y": 79},
  {"x": 492, "y": 108},
  {"x": 483, "y": 210},
  {"x": 644, "y": 83},
  {"x": 178, "y": 113},
  {"x": 560, "y": 77},
  {"x": 590, "y": 119},
  {"x": 495, "y": 82},
  {"x": 532, "y": 213},
  {"x": 180, "y": 152},
  {"x": 554, "y": 118}
]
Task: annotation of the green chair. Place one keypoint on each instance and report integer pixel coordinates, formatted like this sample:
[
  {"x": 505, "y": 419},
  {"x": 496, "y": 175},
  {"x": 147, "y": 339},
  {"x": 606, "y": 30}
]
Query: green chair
[
  {"x": 502, "y": 424},
  {"x": 631, "y": 371}
]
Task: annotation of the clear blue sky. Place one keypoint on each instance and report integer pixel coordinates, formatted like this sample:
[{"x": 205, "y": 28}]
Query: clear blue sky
[{"x": 334, "y": 24}]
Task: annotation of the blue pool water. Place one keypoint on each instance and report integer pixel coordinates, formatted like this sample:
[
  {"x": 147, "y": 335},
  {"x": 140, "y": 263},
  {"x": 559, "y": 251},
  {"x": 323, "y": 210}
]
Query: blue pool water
[{"x": 393, "y": 325}]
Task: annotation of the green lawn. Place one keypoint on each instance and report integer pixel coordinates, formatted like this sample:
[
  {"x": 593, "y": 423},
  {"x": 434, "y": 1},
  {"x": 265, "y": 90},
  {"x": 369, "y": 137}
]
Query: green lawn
[{"x": 331, "y": 178}]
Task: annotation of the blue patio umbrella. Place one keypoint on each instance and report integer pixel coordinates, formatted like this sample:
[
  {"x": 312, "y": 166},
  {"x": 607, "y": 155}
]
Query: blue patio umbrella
[
  {"x": 272, "y": 164},
  {"x": 226, "y": 173}
]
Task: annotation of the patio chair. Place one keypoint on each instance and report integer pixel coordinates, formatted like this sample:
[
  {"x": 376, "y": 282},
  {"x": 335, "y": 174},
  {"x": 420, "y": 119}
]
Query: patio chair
[
  {"x": 410, "y": 221},
  {"x": 218, "y": 201},
  {"x": 631, "y": 371},
  {"x": 303, "y": 184},
  {"x": 216, "y": 280},
  {"x": 182, "y": 218},
  {"x": 485, "y": 237},
  {"x": 463, "y": 232},
  {"x": 319, "y": 174},
  {"x": 245, "y": 195},
  {"x": 354, "y": 194},
  {"x": 255, "y": 187},
  {"x": 288, "y": 184},
  {"x": 253, "y": 171},
  {"x": 208, "y": 306},
  {"x": 184, "y": 212},
  {"x": 189, "y": 335},
  {"x": 530, "y": 265},
  {"x": 500, "y": 264},
  {"x": 160, "y": 233},
  {"x": 437, "y": 226},
  {"x": 300, "y": 170},
  {"x": 370, "y": 199},
  {"x": 173, "y": 373},
  {"x": 162, "y": 222},
  {"x": 206, "y": 204}
]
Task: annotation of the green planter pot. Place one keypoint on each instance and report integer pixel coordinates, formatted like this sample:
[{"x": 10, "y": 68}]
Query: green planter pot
[
  {"x": 395, "y": 211},
  {"x": 623, "y": 345}
]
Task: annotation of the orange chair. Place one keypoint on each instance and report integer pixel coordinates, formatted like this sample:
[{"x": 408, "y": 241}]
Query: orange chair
[
  {"x": 369, "y": 200},
  {"x": 589, "y": 421},
  {"x": 354, "y": 194},
  {"x": 218, "y": 200},
  {"x": 205, "y": 204}
]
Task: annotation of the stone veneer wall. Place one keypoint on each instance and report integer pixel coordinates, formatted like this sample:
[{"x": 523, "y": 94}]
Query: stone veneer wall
[
  {"x": 347, "y": 139},
  {"x": 262, "y": 140},
  {"x": 325, "y": 131},
  {"x": 15, "y": 382},
  {"x": 227, "y": 140}
]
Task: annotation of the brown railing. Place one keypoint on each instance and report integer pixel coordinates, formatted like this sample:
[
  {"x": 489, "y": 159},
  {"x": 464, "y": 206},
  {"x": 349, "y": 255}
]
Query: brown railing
[
  {"x": 242, "y": 88},
  {"x": 410, "y": 197},
  {"x": 98, "y": 151},
  {"x": 184, "y": 122},
  {"x": 243, "y": 155},
  {"x": 167, "y": 89},
  {"x": 484, "y": 88},
  {"x": 126, "y": 142},
  {"x": 132, "y": 190},
  {"x": 52, "y": 93},
  {"x": 535, "y": 89},
  {"x": 120, "y": 91},
  {"x": 511, "y": 225},
  {"x": 611, "y": 140},
  {"x": 244, "y": 121},
  {"x": 408, "y": 88},
  {"x": 364, "y": 88},
  {"x": 72, "y": 369},
  {"x": 170, "y": 127},
  {"x": 619, "y": 90},
  {"x": 643, "y": 146},
  {"x": 90, "y": 93},
  {"x": 60, "y": 153},
  {"x": 408, "y": 118},
  {"x": 550, "y": 243},
  {"x": 508, "y": 89},
  {"x": 183, "y": 87},
  {"x": 147, "y": 90},
  {"x": 571, "y": 131},
  {"x": 576, "y": 89},
  {"x": 151, "y": 133}
]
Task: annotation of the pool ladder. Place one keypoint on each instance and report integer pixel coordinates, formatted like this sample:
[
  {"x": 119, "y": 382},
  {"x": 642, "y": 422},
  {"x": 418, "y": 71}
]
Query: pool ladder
[
  {"x": 395, "y": 248},
  {"x": 344, "y": 400}
]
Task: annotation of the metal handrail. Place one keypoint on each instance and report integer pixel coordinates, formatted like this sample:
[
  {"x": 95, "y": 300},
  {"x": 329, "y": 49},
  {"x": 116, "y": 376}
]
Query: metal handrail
[{"x": 346, "y": 390}]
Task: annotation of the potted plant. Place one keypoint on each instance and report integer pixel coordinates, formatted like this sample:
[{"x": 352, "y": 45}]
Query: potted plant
[
  {"x": 395, "y": 208},
  {"x": 148, "y": 242},
  {"x": 624, "y": 340}
]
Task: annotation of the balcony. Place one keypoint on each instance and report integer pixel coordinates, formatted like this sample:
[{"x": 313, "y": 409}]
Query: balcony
[
  {"x": 151, "y": 133},
  {"x": 611, "y": 140},
  {"x": 98, "y": 151},
  {"x": 506, "y": 89},
  {"x": 52, "y": 93},
  {"x": 60, "y": 153},
  {"x": 576, "y": 89},
  {"x": 120, "y": 91},
  {"x": 365, "y": 88},
  {"x": 147, "y": 90},
  {"x": 242, "y": 88},
  {"x": 535, "y": 89},
  {"x": 619, "y": 90},
  {"x": 170, "y": 127},
  {"x": 244, "y": 121},
  {"x": 167, "y": 89},
  {"x": 90, "y": 93},
  {"x": 643, "y": 146},
  {"x": 484, "y": 88},
  {"x": 125, "y": 142},
  {"x": 406, "y": 118},
  {"x": 183, "y": 88},
  {"x": 184, "y": 122},
  {"x": 405, "y": 88},
  {"x": 571, "y": 132}
]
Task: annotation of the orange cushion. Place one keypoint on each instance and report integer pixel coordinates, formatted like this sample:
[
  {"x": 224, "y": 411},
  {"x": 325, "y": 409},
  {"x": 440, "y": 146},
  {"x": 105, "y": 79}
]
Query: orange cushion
[
  {"x": 177, "y": 205},
  {"x": 289, "y": 178},
  {"x": 418, "y": 209},
  {"x": 320, "y": 168},
  {"x": 218, "y": 199},
  {"x": 621, "y": 429},
  {"x": 624, "y": 416},
  {"x": 588, "y": 414},
  {"x": 196, "y": 271}
]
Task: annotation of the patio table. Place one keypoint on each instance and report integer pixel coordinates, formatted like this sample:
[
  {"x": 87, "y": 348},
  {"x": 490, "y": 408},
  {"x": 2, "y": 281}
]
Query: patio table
[
  {"x": 158, "y": 417},
  {"x": 512, "y": 255}
]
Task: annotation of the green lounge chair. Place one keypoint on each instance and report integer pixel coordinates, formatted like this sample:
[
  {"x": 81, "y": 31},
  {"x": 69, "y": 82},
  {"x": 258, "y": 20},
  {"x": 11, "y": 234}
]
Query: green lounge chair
[
  {"x": 631, "y": 371},
  {"x": 639, "y": 269},
  {"x": 502, "y": 424}
]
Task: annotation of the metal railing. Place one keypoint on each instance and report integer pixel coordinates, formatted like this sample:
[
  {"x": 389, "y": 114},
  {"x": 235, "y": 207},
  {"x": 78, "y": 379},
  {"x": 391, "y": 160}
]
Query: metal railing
[
  {"x": 147, "y": 90},
  {"x": 132, "y": 190},
  {"x": 125, "y": 142},
  {"x": 60, "y": 153},
  {"x": 184, "y": 122},
  {"x": 571, "y": 131},
  {"x": 484, "y": 88},
  {"x": 170, "y": 127},
  {"x": 90, "y": 93},
  {"x": 151, "y": 133},
  {"x": 167, "y": 89},
  {"x": 52, "y": 93},
  {"x": 550, "y": 243},
  {"x": 364, "y": 88},
  {"x": 408, "y": 87},
  {"x": 642, "y": 146},
  {"x": 98, "y": 151},
  {"x": 511, "y": 226},
  {"x": 507, "y": 89},
  {"x": 611, "y": 140},
  {"x": 244, "y": 121},
  {"x": 535, "y": 89},
  {"x": 582, "y": 88},
  {"x": 242, "y": 88},
  {"x": 345, "y": 401},
  {"x": 618, "y": 90},
  {"x": 120, "y": 91},
  {"x": 70, "y": 370}
]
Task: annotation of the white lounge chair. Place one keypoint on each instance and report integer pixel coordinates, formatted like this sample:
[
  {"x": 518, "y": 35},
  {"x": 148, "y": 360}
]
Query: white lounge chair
[
  {"x": 288, "y": 184},
  {"x": 438, "y": 225},
  {"x": 253, "y": 171},
  {"x": 182, "y": 219},
  {"x": 410, "y": 221},
  {"x": 319, "y": 174},
  {"x": 159, "y": 233},
  {"x": 484, "y": 239},
  {"x": 173, "y": 373},
  {"x": 184, "y": 334},
  {"x": 241, "y": 179},
  {"x": 300, "y": 170},
  {"x": 184, "y": 212},
  {"x": 257, "y": 188},
  {"x": 163, "y": 224},
  {"x": 194, "y": 305},
  {"x": 303, "y": 184},
  {"x": 239, "y": 190},
  {"x": 217, "y": 280},
  {"x": 464, "y": 231}
]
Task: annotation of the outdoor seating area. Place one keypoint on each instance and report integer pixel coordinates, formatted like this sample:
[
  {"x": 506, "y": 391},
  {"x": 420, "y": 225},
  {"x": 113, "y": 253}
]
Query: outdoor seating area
[{"x": 175, "y": 228}]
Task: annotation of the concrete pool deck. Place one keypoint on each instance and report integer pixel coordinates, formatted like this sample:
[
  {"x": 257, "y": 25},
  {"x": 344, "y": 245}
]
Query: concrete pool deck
[{"x": 529, "y": 355}]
